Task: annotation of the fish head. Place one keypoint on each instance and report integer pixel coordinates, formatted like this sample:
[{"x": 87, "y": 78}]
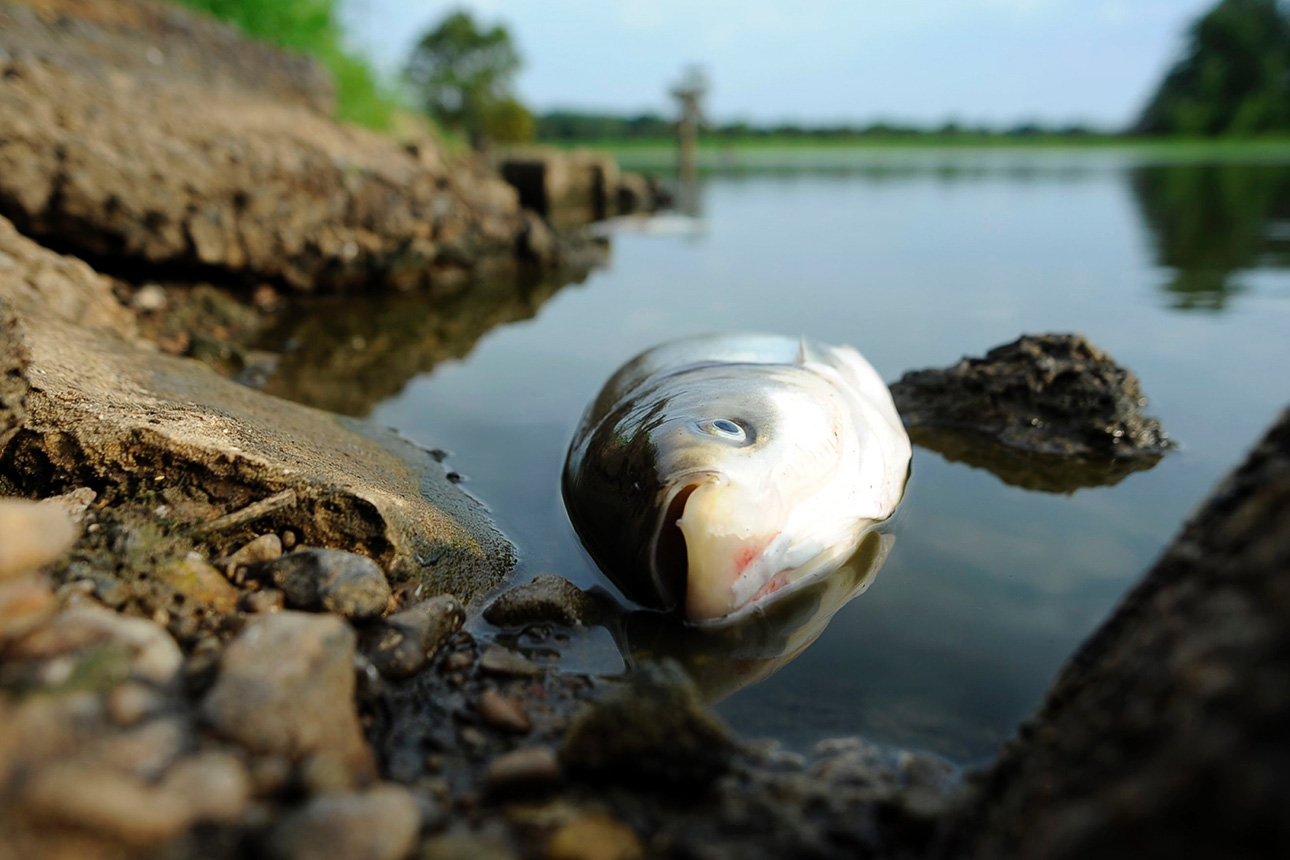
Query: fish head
[{"x": 738, "y": 481}]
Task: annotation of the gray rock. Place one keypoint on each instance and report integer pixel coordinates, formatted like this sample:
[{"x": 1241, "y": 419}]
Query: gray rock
[
  {"x": 405, "y": 643},
  {"x": 1166, "y": 734},
  {"x": 546, "y": 598},
  {"x": 379, "y": 824},
  {"x": 79, "y": 397},
  {"x": 1054, "y": 394},
  {"x": 497, "y": 660},
  {"x": 523, "y": 770},
  {"x": 264, "y": 548},
  {"x": 332, "y": 580},
  {"x": 503, "y": 712},
  {"x": 654, "y": 730},
  {"x": 286, "y": 686}
]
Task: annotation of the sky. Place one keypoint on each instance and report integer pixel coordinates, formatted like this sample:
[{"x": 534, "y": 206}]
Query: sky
[{"x": 998, "y": 62}]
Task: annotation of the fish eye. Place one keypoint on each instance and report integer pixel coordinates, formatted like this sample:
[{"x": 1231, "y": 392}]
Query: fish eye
[{"x": 725, "y": 428}]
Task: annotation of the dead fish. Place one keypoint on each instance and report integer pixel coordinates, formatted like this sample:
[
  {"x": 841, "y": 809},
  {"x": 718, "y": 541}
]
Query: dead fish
[{"x": 715, "y": 474}]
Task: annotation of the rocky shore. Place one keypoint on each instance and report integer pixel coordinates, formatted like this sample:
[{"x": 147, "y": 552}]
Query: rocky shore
[{"x": 231, "y": 621}]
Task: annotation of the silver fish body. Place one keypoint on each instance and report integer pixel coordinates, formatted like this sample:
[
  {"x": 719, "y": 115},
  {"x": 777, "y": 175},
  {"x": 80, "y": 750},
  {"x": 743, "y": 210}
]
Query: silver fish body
[{"x": 715, "y": 474}]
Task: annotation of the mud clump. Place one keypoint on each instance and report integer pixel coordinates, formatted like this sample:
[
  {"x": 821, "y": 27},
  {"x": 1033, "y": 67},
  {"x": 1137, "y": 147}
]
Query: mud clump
[
  {"x": 653, "y": 731},
  {"x": 1054, "y": 394}
]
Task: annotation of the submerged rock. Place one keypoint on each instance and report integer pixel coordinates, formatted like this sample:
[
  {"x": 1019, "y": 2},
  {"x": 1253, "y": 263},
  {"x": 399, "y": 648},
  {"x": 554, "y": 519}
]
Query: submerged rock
[
  {"x": 1166, "y": 734},
  {"x": 1054, "y": 394},
  {"x": 546, "y": 598}
]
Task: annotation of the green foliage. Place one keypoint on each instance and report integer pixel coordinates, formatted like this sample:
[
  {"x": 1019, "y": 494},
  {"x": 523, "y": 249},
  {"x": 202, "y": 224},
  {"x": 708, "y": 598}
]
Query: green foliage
[
  {"x": 1234, "y": 78},
  {"x": 508, "y": 121},
  {"x": 462, "y": 74},
  {"x": 312, "y": 27}
]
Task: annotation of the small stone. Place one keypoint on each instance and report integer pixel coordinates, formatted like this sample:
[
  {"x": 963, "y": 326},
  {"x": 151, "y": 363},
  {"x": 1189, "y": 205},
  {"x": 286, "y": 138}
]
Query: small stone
[
  {"x": 199, "y": 584},
  {"x": 380, "y": 824},
  {"x": 148, "y": 650},
  {"x": 75, "y": 502},
  {"x": 286, "y": 685},
  {"x": 497, "y": 660},
  {"x": 33, "y": 535},
  {"x": 405, "y": 643},
  {"x": 104, "y": 801},
  {"x": 458, "y": 661},
  {"x": 502, "y": 712},
  {"x": 332, "y": 580},
  {"x": 465, "y": 846},
  {"x": 523, "y": 769},
  {"x": 265, "y": 600},
  {"x": 130, "y": 703},
  {"x": 149, "y": 298},
  {"x": 288, "y": 539},
  {"x": 595, "y": 837},
  {"x": 214, "y": 785},
  {"x": 26, "y": 602},
  {"x": 264, "y": 548},
  {"x": 269, "y": 775},
  {"x": 547, "y": 598}
]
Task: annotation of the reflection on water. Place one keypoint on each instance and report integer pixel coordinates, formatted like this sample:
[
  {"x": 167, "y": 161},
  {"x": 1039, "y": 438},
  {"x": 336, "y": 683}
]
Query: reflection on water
[
  {"x": 1209, "y": 222},
  {"x": 345, "y": 354},
  {"x": 724, "y": 660},
  {"x": 1041, "y": 472}
]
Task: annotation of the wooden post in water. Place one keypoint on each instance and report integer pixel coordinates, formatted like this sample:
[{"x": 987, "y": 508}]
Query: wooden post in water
[{"x": 689, "y": 94}]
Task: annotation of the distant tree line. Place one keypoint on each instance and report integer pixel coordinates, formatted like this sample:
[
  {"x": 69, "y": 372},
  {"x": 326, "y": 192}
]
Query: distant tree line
[{"x": 565, "y": 126}]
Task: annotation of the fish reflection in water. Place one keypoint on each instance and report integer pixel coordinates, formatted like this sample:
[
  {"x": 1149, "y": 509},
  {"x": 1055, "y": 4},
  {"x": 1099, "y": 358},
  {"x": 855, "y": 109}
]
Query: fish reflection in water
[
  {"x": 724, "y": 660},
  {"x": 736, "y": 482}
]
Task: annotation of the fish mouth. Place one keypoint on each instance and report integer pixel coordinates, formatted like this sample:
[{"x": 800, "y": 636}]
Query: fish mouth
[{"x": 669, "y": 559}]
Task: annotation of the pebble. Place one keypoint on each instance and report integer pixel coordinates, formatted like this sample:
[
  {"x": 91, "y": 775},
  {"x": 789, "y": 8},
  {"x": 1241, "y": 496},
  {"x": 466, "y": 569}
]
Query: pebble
[
  {"x": 152, "y": 655},
  {"x": 26, "y": 602},
  {"x": 265, "y": 600},
  {"x": 264, "y": 548},
  {"x": 465, "y": 846},
  {"x": 497, "y": 660},
  {"x": 75, "y": 502},
  {"x": 214, "y": 785},
  {"x": 200, "y": 584},
  {"x": 458, "y": 661},
  {"x": 503, "y": 712},
  {"x": 285, "y": 685},
  {"x": 546, "y": 598},
  {"x": 595, "y": 837},
  {"x": 130, "y": 703},
  {"x": 523, "y": 769},
  {"x": 406, "y": 642},
  {"x": 332, "y": 580},
  {"x": 33, "y": 535},
  {"x": 149, "y": 298},
  {"x": 380, "y": 824}
]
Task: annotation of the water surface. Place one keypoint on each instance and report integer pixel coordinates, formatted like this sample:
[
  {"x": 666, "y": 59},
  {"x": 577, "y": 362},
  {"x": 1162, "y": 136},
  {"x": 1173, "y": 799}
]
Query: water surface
[{"x": 1178, "y": 270}]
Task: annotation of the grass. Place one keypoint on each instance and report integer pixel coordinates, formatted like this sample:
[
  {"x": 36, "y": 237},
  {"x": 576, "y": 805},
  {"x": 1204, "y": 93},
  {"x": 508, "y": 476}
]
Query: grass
[
  {"x": 312, "y": 27},
  {"x": 802, "y": 153}
]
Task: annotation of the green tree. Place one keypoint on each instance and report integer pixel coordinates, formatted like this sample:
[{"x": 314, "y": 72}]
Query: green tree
[
  {"x": 1234, "y": 78},
  {"x": 462, "y": 73}
]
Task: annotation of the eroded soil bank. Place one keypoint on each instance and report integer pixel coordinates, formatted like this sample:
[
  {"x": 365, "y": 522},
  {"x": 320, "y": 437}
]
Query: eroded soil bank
[{"x": 231, "y": 623}]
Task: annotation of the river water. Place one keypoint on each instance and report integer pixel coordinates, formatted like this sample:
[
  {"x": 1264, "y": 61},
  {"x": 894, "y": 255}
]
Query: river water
[{"x": 1179, "y": 270}]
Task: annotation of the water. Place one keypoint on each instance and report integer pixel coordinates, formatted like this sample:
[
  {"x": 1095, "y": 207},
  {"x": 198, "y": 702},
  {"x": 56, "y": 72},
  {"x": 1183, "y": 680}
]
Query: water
[{"x": 1178, "y": 270}]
